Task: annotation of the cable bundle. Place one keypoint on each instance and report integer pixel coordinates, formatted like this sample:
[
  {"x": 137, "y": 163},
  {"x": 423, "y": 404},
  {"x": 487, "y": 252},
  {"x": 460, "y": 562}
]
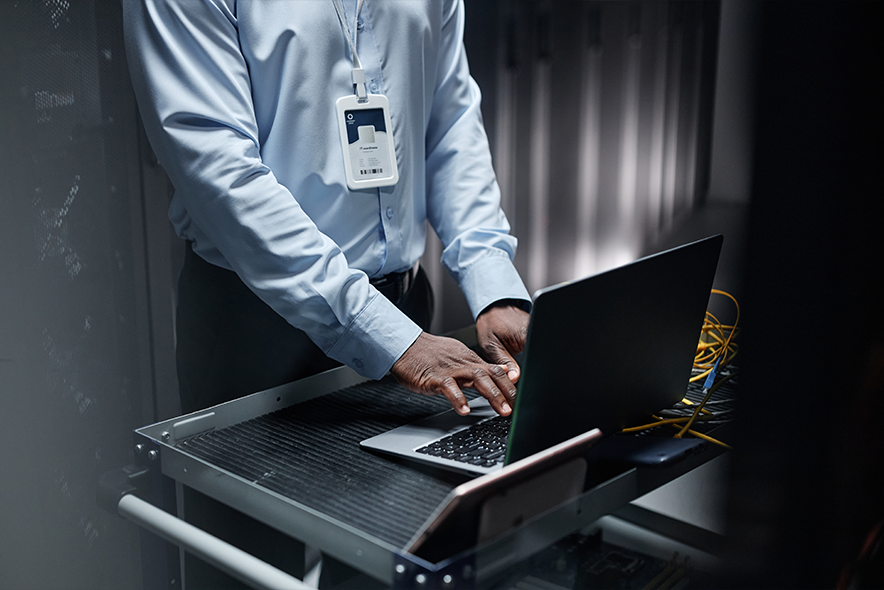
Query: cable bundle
[
  {"x": 716, "y": 343},
  {"x": 715, "y": 351}
]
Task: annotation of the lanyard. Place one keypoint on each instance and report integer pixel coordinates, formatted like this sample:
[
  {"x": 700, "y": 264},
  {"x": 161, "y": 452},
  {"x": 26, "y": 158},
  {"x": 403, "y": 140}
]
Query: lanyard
[{"x": 357, "y": 74}]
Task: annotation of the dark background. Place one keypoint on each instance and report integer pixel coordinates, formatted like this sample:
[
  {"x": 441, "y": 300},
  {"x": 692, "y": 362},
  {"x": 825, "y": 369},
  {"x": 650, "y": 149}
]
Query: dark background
[{"x": 641, "y": 124}]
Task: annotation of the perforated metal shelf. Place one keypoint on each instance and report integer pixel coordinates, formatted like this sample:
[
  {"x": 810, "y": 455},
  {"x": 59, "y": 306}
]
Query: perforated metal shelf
[{"x": 309, "y": 452}]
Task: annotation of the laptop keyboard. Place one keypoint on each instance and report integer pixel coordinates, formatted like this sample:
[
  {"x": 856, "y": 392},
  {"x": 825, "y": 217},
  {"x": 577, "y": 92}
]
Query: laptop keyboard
[{"x": 482, "y": 444}]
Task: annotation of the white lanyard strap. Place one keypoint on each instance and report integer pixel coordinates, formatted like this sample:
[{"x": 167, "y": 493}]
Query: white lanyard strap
[{"x": 357, "y": 74}]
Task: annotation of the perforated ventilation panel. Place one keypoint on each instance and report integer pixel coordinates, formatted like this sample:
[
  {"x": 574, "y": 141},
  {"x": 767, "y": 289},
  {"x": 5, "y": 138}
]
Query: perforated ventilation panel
[
  {"x": 72, "y": 333},
  {"x": 292, "y": 451}
]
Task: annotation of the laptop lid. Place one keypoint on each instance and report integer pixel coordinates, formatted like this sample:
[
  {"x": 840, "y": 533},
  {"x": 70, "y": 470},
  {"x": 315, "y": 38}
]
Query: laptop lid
[{"x": 609, "y": 350}]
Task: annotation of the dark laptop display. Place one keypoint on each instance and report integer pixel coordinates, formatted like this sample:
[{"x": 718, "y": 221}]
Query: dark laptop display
[{"x": 602, "y": 352}]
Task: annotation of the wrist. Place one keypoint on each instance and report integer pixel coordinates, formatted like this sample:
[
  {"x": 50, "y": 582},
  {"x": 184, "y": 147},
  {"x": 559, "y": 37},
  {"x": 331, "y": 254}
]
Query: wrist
[{"x": 519, "y": 304}]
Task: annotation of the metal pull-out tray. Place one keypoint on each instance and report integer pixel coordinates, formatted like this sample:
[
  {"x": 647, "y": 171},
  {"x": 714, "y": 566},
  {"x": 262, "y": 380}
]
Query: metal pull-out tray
[{"x": 289, "y": 457}]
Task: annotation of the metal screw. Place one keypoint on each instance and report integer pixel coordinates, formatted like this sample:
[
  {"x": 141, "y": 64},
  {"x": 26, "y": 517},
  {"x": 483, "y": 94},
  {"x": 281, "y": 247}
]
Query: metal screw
[
  {"x": 447, "y": 581},
  {"x": 400, "y": 569},
  {"x": 166, "y": 436},
  {"x": 139, "y": 448},
  {"x": 420, "y": 579},
  {"x": 152, "y": 455}
]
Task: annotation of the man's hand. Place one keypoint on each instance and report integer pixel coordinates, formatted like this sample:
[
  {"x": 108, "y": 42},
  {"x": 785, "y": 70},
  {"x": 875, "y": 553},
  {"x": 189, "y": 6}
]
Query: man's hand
[
  {"x": 434, "y": 365},
  {"x": 502, "y": 329}
]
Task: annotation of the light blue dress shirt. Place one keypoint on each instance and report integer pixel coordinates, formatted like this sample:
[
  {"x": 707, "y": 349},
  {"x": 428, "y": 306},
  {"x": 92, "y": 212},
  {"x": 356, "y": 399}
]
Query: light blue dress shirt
[{"x": 238, "y": 99}]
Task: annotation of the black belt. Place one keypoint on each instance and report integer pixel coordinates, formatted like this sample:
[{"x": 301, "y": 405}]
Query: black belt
[{"x": 396, "y": 285}]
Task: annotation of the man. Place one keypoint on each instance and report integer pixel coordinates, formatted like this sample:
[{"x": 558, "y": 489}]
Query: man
[
  {"x": 286, "y": 263},
  {"x": 238, "y": 100}
]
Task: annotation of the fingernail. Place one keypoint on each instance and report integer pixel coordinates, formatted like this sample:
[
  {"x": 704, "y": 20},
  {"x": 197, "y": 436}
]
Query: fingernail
[
  {"x": 505, "y": 407},
  {"x": 513, "y": 374}
]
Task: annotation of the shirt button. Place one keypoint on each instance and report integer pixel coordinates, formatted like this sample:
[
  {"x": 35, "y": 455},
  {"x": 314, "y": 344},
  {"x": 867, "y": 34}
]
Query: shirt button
[
  {"x": 374, "y": 86},
  {"x": 360, "y": 24},
  {"x": 357, "y": 362},
  {"x": 389, "y": 213}
]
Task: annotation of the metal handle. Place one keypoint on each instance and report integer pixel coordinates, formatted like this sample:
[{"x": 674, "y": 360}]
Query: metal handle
[{"x": 244, "y": 567}]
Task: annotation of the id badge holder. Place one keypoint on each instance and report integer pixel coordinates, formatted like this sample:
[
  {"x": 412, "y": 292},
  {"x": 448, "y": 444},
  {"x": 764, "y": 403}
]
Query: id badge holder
[{"x": 367, "y": 141}]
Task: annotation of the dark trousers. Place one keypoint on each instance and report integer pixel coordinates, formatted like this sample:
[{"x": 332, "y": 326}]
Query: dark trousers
[{"x": 231, "y": 344}]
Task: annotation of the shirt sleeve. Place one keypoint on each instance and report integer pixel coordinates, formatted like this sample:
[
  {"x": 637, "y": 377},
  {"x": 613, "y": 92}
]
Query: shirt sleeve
[
  {"x": 463, "y": 197},
  {"x": 194, "y": 94}
]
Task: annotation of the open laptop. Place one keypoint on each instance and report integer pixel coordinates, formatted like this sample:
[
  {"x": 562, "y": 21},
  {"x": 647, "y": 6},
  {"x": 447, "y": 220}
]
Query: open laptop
[{"x": 602, "y": 352}]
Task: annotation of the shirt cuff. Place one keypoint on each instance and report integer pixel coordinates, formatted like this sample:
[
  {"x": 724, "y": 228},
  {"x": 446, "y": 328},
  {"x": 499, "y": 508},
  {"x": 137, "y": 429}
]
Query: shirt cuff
[
  {"x": 376, "y": 339},
  {"x": 489, "y": 280}
]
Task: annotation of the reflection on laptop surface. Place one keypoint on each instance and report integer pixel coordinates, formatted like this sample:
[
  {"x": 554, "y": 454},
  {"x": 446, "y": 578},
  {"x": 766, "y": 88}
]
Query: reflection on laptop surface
[{"x": 602, "y": 352}]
